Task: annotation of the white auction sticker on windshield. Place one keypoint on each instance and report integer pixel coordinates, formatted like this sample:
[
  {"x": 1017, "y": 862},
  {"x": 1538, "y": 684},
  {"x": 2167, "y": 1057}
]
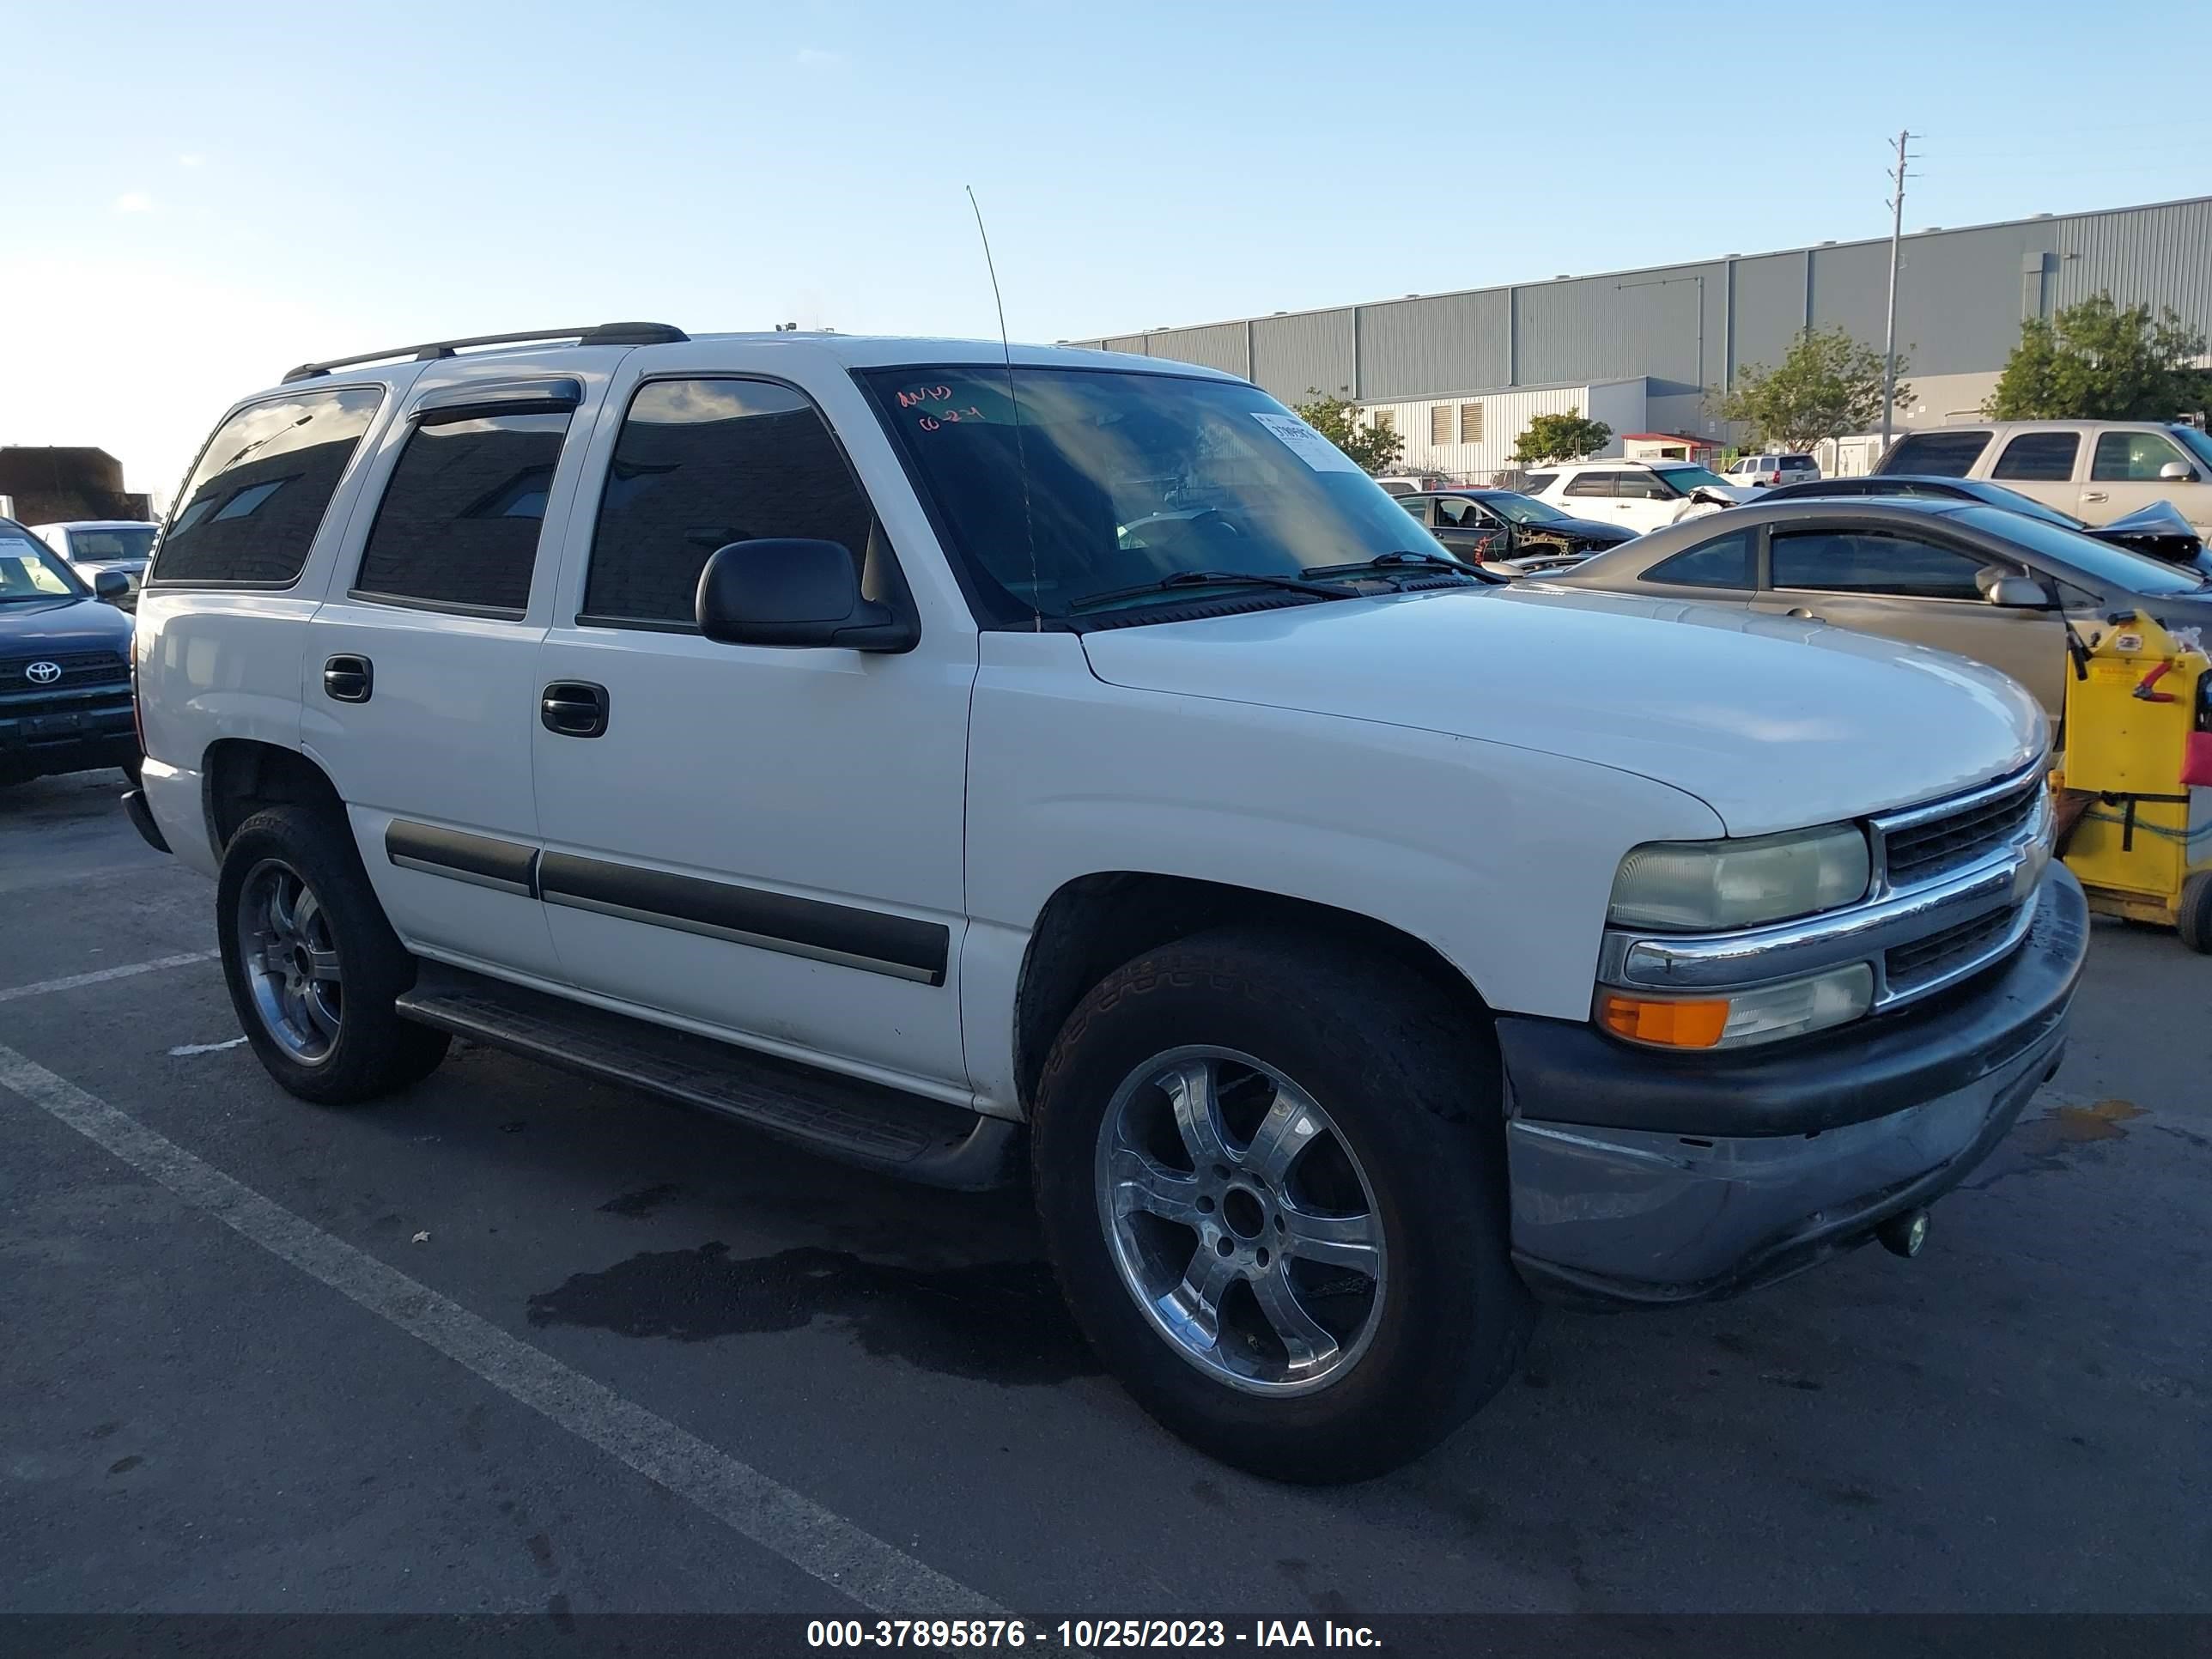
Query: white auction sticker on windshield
[{"x": 1308, "y": 445}]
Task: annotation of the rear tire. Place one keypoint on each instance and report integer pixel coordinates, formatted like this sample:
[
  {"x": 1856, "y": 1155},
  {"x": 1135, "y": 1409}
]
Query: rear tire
[
  {"x": 2194, "y": 913},
  {"x": 312, "y": 963},
  {"x": 1349, "y": 1297}
]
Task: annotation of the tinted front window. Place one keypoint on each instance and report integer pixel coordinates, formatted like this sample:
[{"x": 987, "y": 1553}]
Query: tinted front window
[
  {"x": 2046, "y": 455},
  {"x": 459, "y": 521},
  {"x": 252, "y": 508},
  {"x": 1875, "y": 561},
  {"x": 1948, "y": 454},
  {"x": 1726, "y": 562},
  {"x": 2130, "y": 457},
  {"x": 700, "y": 463},
  {"x": 1642, "y": 487},
  {"x": 1113, "y": 480}
]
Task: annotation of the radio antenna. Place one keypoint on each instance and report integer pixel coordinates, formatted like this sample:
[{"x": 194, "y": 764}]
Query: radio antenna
[{"x": 1021, "y": 449}]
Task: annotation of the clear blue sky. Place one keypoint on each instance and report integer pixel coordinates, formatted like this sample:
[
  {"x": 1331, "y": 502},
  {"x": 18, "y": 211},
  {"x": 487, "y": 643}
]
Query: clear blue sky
[{"x": 198, "y": 196}]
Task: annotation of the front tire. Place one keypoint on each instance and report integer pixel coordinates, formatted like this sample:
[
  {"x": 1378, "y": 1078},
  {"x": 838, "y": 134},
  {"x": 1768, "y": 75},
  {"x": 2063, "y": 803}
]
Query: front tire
[
  {"x": 1271, "y": 1178},
  {"x": 312, "y": 965},
  {"x": 2194, "y": 913}
]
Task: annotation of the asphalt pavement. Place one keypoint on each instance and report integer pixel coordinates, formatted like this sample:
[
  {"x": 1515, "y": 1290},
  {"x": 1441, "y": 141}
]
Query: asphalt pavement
[{"x": 518, "y": 1343}]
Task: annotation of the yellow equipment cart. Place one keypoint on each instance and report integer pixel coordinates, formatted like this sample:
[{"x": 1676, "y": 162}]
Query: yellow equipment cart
[{"x": 2138, "y": 734}]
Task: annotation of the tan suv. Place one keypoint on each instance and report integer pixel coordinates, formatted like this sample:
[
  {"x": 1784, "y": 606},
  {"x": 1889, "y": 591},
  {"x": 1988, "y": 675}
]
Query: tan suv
[{"x": 2098, "y": 470}]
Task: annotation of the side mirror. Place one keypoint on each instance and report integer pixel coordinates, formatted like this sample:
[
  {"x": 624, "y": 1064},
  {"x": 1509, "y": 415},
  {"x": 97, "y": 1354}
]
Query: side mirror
[
  {"x": 786, "y": 592},
  {"x": 2017, "y": 593},
  {"x": 110, "y": 586},
  {"x": 2177, "y": 472}
]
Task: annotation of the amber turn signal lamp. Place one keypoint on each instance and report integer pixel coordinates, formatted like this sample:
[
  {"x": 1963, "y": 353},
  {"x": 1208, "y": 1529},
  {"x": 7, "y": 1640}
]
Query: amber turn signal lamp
[{"x": 1668, "y": 1023}]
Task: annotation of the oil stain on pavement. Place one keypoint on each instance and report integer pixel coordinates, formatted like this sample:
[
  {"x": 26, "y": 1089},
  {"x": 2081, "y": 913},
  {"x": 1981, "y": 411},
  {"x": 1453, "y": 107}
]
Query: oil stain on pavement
[
  {"x": 997, "y": 1321},
  {"x": 2049, "y": 1142}
]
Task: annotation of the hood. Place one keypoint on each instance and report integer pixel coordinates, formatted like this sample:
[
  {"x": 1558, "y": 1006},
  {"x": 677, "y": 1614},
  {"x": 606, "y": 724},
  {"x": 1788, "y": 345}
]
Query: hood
[
  {"x": 1772, "y": 723},
  {"x": 37, "y": 627},
  {"x": 1581, "y": 529}
]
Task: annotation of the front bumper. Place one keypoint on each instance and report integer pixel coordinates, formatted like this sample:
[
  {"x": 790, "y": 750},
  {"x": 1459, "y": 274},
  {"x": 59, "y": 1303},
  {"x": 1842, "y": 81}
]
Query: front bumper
[
  {"x": 1644, "y": 1178},
  {"x": 67, "y": 736}
]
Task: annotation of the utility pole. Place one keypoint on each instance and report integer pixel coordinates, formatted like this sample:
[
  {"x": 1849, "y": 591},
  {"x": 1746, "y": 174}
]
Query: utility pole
[{"x": 1889, "y": 337}]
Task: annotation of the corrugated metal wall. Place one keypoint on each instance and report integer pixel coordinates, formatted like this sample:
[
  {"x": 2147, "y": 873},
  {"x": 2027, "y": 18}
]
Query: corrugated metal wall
[
  {"x": 1309, "y": 352},
  {"x": 1422, "y": 348},
  {"x": 1217, "y": 345},
  {"x": 1961, "y": 295},
  {"x": 2159, "y": 255},
  {"x": 1643, "y": 322}
]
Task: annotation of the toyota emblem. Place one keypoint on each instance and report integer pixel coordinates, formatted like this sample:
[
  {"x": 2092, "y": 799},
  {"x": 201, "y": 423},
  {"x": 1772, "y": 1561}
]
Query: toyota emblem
[{"x": 43, "y": 673}]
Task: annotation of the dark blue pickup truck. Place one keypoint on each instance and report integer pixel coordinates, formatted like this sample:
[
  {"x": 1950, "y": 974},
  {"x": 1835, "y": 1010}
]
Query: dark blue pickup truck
[{"x": 64, "y": 665}]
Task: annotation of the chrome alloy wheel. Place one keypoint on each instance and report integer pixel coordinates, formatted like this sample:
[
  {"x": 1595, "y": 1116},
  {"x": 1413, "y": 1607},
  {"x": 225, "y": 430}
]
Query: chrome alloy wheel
[
  {"x": 1241, "y": 1220},
  {"x": 291, "y": 960}
]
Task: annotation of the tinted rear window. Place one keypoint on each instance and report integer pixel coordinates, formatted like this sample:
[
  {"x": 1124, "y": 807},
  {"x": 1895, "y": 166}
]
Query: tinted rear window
[
  {"x": 1726, "y": 561},
  {"x": 252, "y": 508},
  {"x": 1945, "y": 454},
  {"x": 460, "y": 521},
  {"x": 2048, "y": 456}
]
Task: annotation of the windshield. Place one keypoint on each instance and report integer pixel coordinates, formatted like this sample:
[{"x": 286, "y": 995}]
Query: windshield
[
  {"x": 2101, "y": 561},
  {"x": 2198, "y": 446},
  {"x": 1519, "y": 509},
  {"x": 113, "y": 542},
  {"x": 1688, "y": 478},
  {"x": 30, "y": 570},
  {"x": 1116, "y": 480}
]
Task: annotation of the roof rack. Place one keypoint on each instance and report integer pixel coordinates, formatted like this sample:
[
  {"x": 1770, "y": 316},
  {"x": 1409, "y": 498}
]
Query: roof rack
[{"x": 624, "y": 334}]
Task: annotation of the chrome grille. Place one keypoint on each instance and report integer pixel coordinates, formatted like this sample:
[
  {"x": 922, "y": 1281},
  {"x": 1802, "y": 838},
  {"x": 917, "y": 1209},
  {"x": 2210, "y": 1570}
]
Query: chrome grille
[
  {"x": 1935, "y": 847},
  {"x": 1926, "y": 961},
  {"x": 79, "y": 668}
]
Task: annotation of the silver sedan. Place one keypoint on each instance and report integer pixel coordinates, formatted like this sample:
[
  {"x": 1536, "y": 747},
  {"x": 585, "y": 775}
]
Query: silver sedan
[{"x": 1997, "y": 587}]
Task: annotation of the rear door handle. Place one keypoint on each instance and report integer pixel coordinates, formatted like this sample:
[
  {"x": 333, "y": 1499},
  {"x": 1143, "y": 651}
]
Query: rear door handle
[
  {"x": 349, "y": 680},
  {"x": 575, "y": 708},
  {"x": 1803, "y": 615},
  {"x": 2095, "y": 496}
]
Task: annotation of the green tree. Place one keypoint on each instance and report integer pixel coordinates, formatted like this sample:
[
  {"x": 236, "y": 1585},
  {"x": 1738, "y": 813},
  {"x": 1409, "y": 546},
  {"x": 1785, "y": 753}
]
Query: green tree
[
  {"x": 1828, "y": 385},
  {"x": 1567, "y": 437},
  {"x": 1376, "y": 448},
  {"x": 2101, "y": 361}
]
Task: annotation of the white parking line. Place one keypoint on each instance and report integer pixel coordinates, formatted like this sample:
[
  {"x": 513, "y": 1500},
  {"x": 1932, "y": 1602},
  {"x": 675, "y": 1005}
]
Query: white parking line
[
  {"x": 802, "y": 1531},
  {"x": 102, "y": 975}
]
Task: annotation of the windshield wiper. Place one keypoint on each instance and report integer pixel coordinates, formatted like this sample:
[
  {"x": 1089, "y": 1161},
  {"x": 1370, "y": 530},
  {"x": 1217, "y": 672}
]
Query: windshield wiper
[
  {"x": 1404, "y": 560},
  {"x": 1216, "y": 579}
]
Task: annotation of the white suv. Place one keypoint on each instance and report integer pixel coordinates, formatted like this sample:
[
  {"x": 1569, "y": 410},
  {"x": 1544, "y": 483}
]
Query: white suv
[
  {"x": 1641, "y": 494},
  {"x": 2097, "y": 470},
  {"x": 1767, "y": 470},
  {"x": 92, "y": 545},
  {"x": 1046, "y": 766}
]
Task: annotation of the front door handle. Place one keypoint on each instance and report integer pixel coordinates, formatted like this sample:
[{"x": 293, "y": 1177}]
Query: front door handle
[
  {"x": 349, "y": 680},
  {"x": 575, "y": 708},
  {"x": 2095, "y": 496},
  {"x": 1803, "y": 615}
]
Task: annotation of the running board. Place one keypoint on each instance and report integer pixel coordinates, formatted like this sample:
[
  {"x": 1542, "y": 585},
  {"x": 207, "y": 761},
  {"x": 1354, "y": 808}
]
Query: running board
[{"x": 879, "y": 1128}]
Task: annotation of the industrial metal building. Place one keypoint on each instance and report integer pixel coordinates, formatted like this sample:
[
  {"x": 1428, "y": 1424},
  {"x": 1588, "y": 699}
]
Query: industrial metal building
[{"x": 1643, "y": 349}]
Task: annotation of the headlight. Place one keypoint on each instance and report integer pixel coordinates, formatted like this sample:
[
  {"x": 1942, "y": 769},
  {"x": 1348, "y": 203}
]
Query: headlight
[
  {"x": 1707, "y": 886},
  {"x": 1736, "y": 1019}
]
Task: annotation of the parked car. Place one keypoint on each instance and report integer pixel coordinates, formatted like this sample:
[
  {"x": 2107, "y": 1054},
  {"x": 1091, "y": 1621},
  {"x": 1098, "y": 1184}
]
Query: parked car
[
  {"x": 1641, "y": 495},
  {"x": 792, "y": 725},
  {"x": 2098, "y": 470},
  {"x": 1763, "y": 471},
  {"x": 2158, "y": 530},
  {"x": 1999, "y": 586},
  {"x": 64, "y": 665},
  {"x": 92, "y": 545},
  {"x": 1410, "y": 483},
  {"x": 1494, "y": 525}
]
